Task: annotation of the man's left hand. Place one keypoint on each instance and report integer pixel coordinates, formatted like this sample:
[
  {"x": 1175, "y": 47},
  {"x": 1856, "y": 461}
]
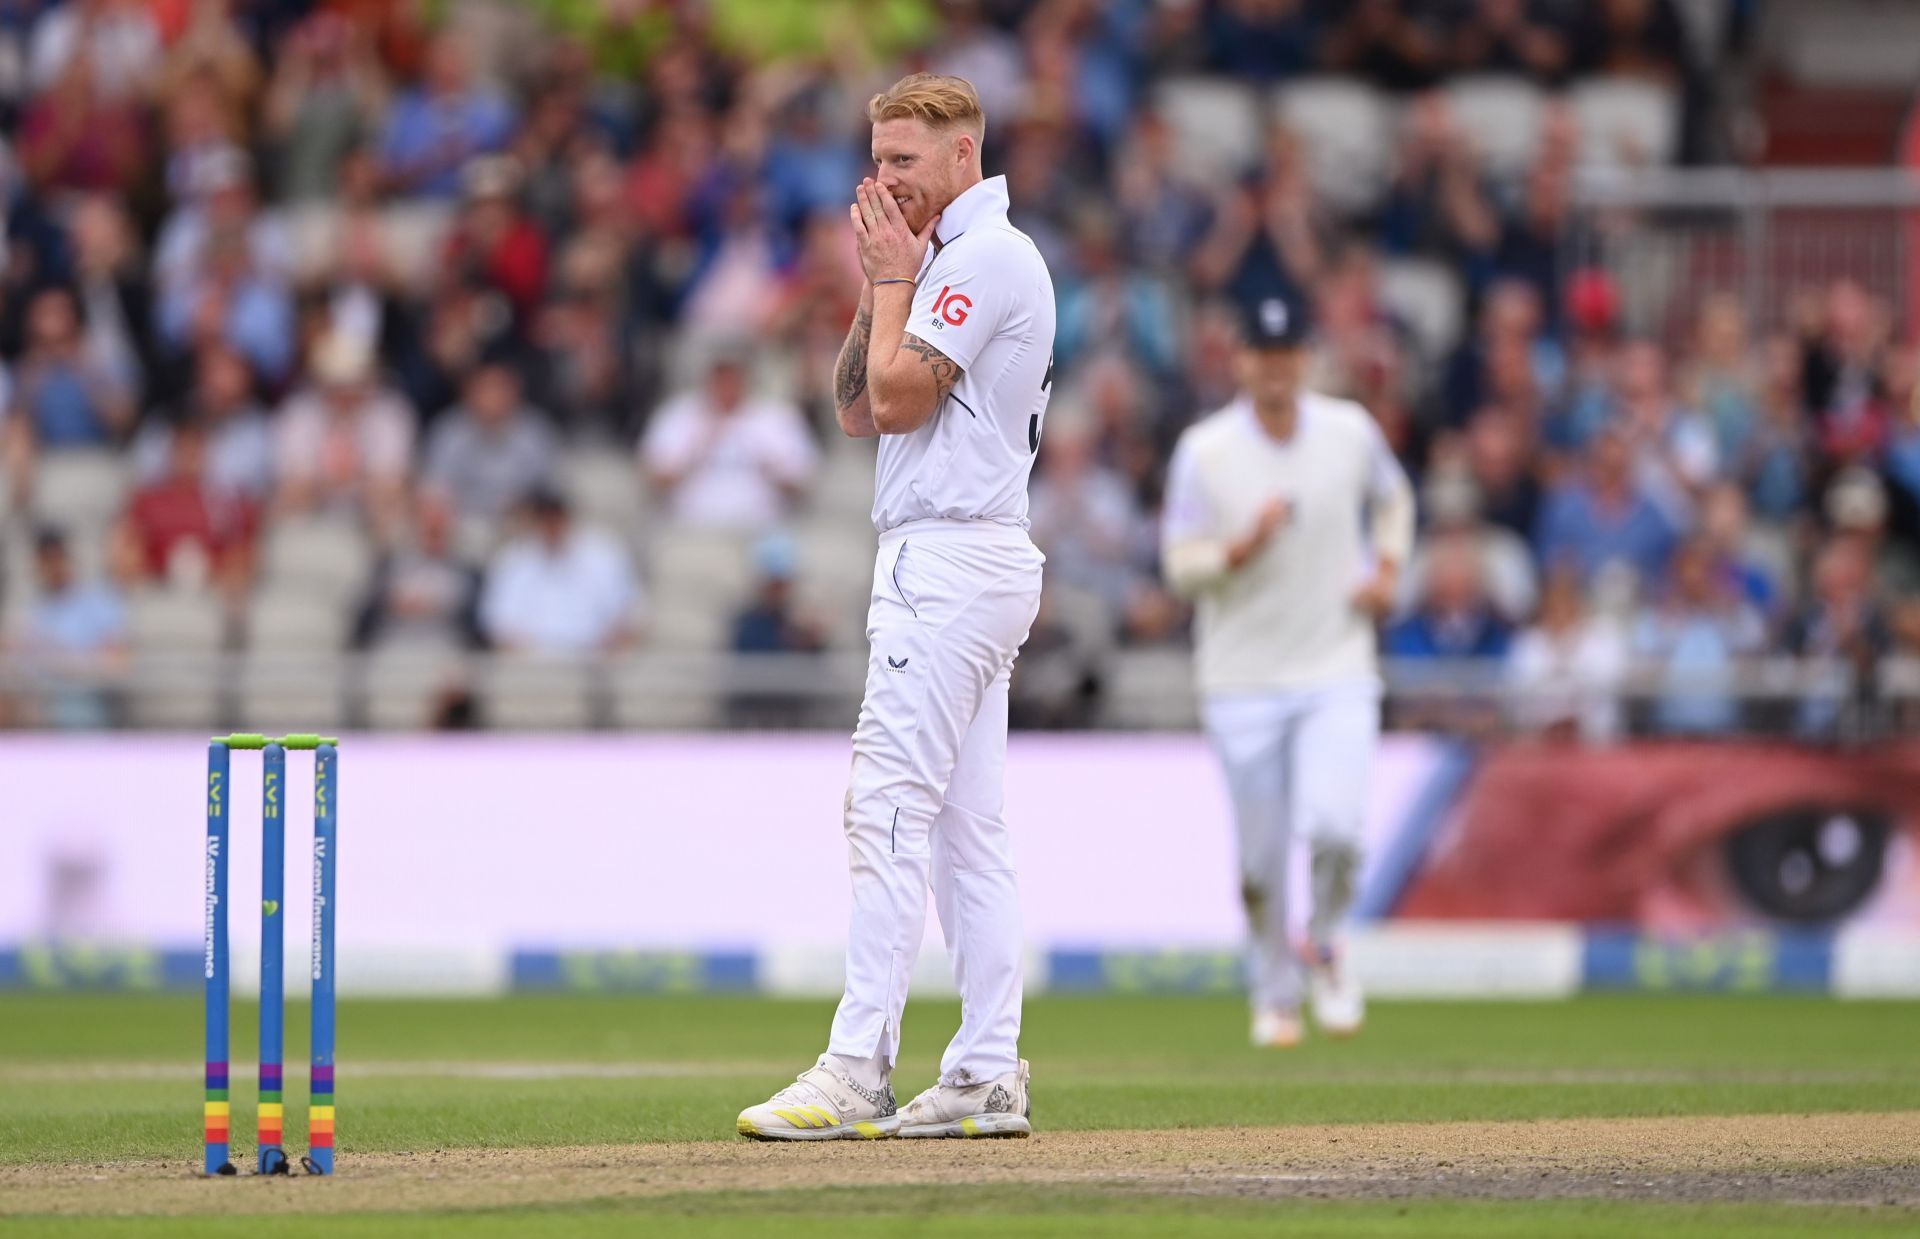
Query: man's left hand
[{"x": 1377, "y": 597}]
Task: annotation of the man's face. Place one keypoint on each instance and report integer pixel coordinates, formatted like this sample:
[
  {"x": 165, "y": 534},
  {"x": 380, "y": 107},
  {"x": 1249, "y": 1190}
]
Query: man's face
[
  {"x": 55, "y": 569},
  {"x": 920, "y": 166},
  {"x": 492, "y": 395},
  {"x": 1272, "y": 375},
  {"x": 727, "y": 385}
]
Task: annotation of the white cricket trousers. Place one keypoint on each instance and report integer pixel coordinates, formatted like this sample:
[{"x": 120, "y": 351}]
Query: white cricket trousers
[
  {"x": 952, "y": 604},
  {"x": 1298, "y": 764}
]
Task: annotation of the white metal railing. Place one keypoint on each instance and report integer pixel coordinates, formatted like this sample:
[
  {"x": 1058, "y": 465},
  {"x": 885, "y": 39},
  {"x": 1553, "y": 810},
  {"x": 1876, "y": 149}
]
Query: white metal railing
[{"x": 661, "y": 689}]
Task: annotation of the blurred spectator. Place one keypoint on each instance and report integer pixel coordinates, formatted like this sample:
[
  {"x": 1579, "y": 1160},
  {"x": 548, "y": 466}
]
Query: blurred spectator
[
  {"x": 1721, "y": 378},
  {"x": 222, "y": 406},
  {"x": 1674, "y": 453},
  {"x": 439, "y": 124},
  {"x": 1499, "y": 459},
  {"x": 1856, "y": 506},
  {"x": 1451, "y": 505},
  {"x": 1265, "y": 241},
  {"x": 110, "y": 282},
  {"x": 1774, "y": 461},
  {"x": 1693, "y": 641},
  {"x": 218, "y": 208},
  {"x": 1566, "y": 672},
  {"x": 1602, "y": 515},
  {"x": 1104, "y": 303},
  {"x": 235, "y": 302},
  {"x": 585, "y": 377},
  {"x": 810, "y": 165},
  {"x": 212, "y": 52},
  {"x": 984, "y": 54},
  {"x": 732, "y": 288},
  {"x": 82, "y": 136},
  {"x": 62, "y": 395},
  {"x": 725, "y": 457},
  {"x": 495, "y": 244},
  {"x": 1453, "y": 618},
  {"x": 325, "y": 100},
  {"x": 491, "y": 450},
  {"x": 1510, "y": 329},
  {"x": 1508, "y": 36},
  {"x": 1096, "y": 539},
  {"x": 770, "y": 624},
  {"x": 1843, "y": 630},
  {"x": 1384, "y": 43},
  {"x": 1360, "y": 345},
  {"x": 184, "y": 528},
  {"x": 345, "y": 443},
  {"x": 1524, "y": 241},
  {"x": 1164, "y": 213},
  {"x": 422, "y": 594},
  {"x": 1728, "y": 541},
  {"x": 1433, "y": 182},
  {"x": 1841, "y": 374},
  {"x": 558, "y": 588},
  {"x": 1586, "y": 389},
  {"x": 1260, "y": 40},
  {"x": 1631, "y": 38},
  {"x": 116, "y": 41},
  {"x": 73, "y": 630}
]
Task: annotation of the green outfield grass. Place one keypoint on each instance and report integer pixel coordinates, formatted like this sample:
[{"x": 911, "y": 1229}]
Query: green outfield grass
[{"x": 107, "y": 1079}]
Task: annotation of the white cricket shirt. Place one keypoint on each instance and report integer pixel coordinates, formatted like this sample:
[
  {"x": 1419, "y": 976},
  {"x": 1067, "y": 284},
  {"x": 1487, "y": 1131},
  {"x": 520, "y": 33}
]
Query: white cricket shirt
[
  {"x": 1285, "y": 619},
  {"x": 985, "y": 300}
]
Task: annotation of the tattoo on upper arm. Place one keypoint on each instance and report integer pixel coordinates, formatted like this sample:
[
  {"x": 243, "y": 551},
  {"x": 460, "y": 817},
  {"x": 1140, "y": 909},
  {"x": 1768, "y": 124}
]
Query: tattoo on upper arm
[
  {"x": 850, "y": 372},
  {"x": 945, "y": 372}
]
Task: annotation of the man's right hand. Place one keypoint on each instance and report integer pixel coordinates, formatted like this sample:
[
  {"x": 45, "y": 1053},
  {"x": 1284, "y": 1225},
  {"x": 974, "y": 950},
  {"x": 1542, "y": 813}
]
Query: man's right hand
[{"x": 1271, "y": 518}]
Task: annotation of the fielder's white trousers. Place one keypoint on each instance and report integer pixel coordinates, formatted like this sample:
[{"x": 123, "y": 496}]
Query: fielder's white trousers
[
  {"x": 1298, "y": 765},
  {"x": 952, "y": 604}
]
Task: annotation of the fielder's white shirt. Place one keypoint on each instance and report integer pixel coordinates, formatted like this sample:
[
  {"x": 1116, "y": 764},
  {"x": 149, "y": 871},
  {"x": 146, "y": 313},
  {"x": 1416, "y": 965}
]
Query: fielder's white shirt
[
  {"x": 985, "y": 300},
  {"x": 1285, "y": 619}
]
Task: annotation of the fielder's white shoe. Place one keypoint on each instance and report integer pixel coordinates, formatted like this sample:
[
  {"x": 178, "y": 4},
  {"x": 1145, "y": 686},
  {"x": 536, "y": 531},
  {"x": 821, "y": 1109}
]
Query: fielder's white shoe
[
  {"x": 1278, "y": 1030},
  {"x": 1001, "y": 1107},
  {"x": 1339, "y": 1008},
  {"x": 823, "y": 1104}
]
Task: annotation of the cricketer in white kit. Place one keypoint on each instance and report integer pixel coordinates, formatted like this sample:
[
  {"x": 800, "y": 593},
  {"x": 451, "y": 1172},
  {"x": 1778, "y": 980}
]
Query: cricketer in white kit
[
  {"x": 1287, "y": 519},
  {"x": 950, "y": 362}
]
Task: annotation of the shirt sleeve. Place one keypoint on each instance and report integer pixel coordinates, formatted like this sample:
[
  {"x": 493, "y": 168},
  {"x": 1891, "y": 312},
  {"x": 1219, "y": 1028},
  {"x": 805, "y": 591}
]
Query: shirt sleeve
[
  {"x": 1390, "y": 497},
  {"x": 1193, "y": 554},
  {"x": 964, "y": 300},
  {"x": 669, "y": 444}
]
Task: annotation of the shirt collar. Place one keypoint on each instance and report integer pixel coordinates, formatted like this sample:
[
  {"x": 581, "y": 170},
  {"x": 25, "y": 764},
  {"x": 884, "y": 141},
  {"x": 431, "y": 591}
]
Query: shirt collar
[{"x": 984, "y": 200}]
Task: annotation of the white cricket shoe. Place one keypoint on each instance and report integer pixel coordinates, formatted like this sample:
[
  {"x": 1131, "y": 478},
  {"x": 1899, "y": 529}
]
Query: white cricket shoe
[
  {"x": 1001, "y": 1107},
  {"x": 1339, "y": 1008},
  {"x": 823, "y": 1104},
  {"x": 1277, "y": 1030}
]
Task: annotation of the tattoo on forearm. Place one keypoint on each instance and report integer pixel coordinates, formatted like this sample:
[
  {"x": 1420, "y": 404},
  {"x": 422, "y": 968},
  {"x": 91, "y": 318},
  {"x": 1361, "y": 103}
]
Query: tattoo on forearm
[
  {"x": 850, "y": 372},
  {"x": 945, "y": 372}
]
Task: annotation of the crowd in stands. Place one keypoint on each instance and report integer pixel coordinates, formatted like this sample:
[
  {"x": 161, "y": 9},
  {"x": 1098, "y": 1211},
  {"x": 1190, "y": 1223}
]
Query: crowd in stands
[{"x": 400, "y": 268}]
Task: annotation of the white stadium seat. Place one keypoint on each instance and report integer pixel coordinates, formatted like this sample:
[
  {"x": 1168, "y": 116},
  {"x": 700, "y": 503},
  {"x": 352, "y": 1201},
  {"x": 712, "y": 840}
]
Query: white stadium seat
[
  {"x": 80, "y": 491},
  {"x": 1346, "y": 129},
  {"x": 1625, "y": 123},
  {"x": 1499, "y": 116},
  {"x": 1216, "y": 124},
  {"x": 325, "y": 556},
  {"x": 292, "y": 619},
  {"x": 175, "y": 621}
]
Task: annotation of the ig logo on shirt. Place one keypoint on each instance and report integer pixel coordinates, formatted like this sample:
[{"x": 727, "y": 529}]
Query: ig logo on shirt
[{"x": 951, "y": 306}]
